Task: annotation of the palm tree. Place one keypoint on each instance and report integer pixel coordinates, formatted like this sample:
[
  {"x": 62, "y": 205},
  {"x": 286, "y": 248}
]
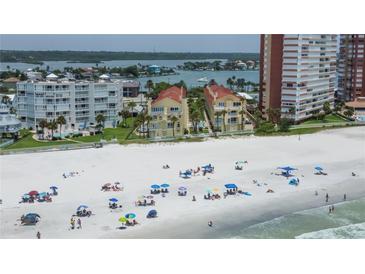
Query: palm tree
[
  {"x": 125, "y": 114},
  {"x": 242, "y": 112},
  {"x": 274, "y": 115},
  {"x": 195, "y": 118},
  {"x": 217, "y": 114},
  {"x": 61, "y": 121},
  {"x": 131, "y": 105},
  {"x": 173, "y": 120},
  {"x": 43, "y": 124},
  {"x": 230, "y": 82},
  {"x": 148, "y": 119},
  {"x": 52, "y": 125},
  {"x": 224, "y": 112},
  {"x": 100, "y": 119}
]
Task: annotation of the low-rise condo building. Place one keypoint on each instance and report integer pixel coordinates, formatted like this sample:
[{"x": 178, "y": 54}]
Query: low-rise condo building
[
  {"x": 226, "y": 110},
  {"x": 80, "y": 102},
  {"x": 170, "y": 103}
]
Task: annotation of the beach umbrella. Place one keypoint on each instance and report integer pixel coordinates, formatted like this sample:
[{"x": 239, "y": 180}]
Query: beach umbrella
[
  {"x": 182, "y": 188},
  {"x": 26, "y": 196},
  {"x": 107, "y": 184},
  {"x": 33, "y": 193},
  {"x": 53, "y": 187},
  {"x": 209, "y": 191},
  {"x": 318, "y": 168},
  {"x": 117, "y": 183},
  {"x": 240, "y": 162},
  {"x": 287, "y": 168},
  {"x": 152, "y": 213},
  {"x": 149, "y": 197},
  {"x": 81, "y": 207},
  {"x": 43, "y": 194},
  {"x": 215, "y": 189},
  {"x": 230, "y": 186},
  {"x": 155, "y": 186},
  {"x": 130, "y": 216},
  {"x": 113, "y": 200},
  {"x": 32, "y": 215},
  {"x": 123, "y": 219},
  {"x": 165, "y": 185}
]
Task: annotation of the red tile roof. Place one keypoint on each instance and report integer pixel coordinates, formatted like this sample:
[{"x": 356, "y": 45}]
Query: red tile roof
[
  {"x": 215, "y": 92},
  {"x": 174, "y": 93}
]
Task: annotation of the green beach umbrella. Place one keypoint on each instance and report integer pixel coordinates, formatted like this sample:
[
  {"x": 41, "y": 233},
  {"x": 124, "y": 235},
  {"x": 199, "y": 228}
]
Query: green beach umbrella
[{"x": 123, "y": 219}]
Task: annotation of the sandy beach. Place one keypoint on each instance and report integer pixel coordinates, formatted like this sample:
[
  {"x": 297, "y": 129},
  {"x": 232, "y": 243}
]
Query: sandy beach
[{"x": 340, "y": 152}]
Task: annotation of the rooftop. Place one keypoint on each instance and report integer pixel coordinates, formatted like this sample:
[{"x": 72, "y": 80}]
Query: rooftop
[
  {"x": 175, "y": 93},
  {"x": 358, "y": 103},
  {"x": 215, "y": 92}
]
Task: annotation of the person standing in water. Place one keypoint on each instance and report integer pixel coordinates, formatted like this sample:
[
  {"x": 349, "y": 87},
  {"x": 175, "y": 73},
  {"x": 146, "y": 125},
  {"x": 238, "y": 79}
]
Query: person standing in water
[{"x": 344, "y": 197}]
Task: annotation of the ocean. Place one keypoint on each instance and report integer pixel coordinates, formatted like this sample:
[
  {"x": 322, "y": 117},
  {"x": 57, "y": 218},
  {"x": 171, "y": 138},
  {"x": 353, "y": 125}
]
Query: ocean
[{"x": 347, "y": 222}]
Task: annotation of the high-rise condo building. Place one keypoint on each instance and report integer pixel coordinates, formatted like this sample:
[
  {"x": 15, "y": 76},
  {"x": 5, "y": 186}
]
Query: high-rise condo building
[
  {"x": 351, "y": 67},
  {"x": 297, "y": 73}
]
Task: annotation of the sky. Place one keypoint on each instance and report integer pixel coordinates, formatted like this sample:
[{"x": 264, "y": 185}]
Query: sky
[{"x": 146, "y": 43}]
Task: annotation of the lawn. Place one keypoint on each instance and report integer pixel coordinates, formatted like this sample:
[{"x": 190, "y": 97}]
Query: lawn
[
  {"x": 330, "y": 118},
  {"x": 29, "y": 142}
]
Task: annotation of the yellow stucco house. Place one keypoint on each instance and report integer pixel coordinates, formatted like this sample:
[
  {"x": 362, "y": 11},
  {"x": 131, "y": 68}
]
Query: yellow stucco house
[
  {"x": 225, "y": 108},
  {"x": 170, "y": 103}
]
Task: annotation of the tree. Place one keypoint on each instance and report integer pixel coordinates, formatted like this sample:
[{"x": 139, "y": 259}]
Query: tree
[
  {"x": 224, "y": 113},
  {"x": 321, "y": 115},
  {"x": 327, "y": 108},
  {"x": 284, "y": 124},
  {"x": 100, "y": 119},
  {"x": 173, "y": 120},
  {"x": 195, "y": 118},
  {"x": 258, "y": 117},
  {"x": 52, "y": 125},
  {"x": 125, "y": 114},
  {"x": 349, "y": 112},
  {"x": 61, "y": 121},
  {"x": 274, "y": 115},
  {"x": 148, "y": 119},
  {"x": 230, "y": 82},
  {"x": 266, "y": 127},
  {"x": 131, "y": 105},
  {"x": 43, "y": 124}
]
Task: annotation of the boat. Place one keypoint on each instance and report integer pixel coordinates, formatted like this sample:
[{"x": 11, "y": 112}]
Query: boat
[{"x": 204, "y": 79}]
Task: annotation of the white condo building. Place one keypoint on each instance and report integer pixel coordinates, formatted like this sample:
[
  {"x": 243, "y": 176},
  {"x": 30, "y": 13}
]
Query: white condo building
[
  {"x": 78, "y": 101},
  {"x": 298, "y": 73}
]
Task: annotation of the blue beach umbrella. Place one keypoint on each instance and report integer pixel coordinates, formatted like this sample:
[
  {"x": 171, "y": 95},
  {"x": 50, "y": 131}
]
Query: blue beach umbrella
[
  {"x": 26, "y": 196},
  {"x": 130, "y": 216},
  {"x": 81, "y": 207},
  {"x": 42, "y": 194},
  {"x": 155, "y": 186},
  {"x": 53, "y": 187},
  {"x": 113, "y": 200},
  {"x": 32, "y": 215},
  {"x": 287, "y": 168},
  {"x": 165, "y": 185},
  {"x": 152, "y": 213},
  {"x": 230, "y": 186},
  {"x": 318, "y": 168}
]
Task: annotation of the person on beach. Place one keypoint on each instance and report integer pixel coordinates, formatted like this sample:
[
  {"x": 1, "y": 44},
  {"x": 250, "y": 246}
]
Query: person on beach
[
  {"x": 329, "y": 210},
  {"x": 194, "y": 199},
  {"x": 72, "y": 222},
  {"x": 344, "y": 197},
  {"x": 327, "y": 197},
  {"x": 38, "y": 235},
  {"x": 316, "y": 193},
  {"x": 79, "y": 223}
]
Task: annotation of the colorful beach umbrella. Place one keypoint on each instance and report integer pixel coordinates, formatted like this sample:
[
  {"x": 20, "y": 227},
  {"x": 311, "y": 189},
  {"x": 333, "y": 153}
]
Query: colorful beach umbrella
[
  {"x": 26, "y": 196},
  {"x": 155, "y": 186},
  {"x": 32, "y": 215},
  {"x": 113, "y": 200},
  {"x": 33, "y": 193},
  {"x": 42, "y": 194},
  {"x": 123, "y": 219},
  {"x": 165, "y": 185},
  {"x": 130, "y": 216}
]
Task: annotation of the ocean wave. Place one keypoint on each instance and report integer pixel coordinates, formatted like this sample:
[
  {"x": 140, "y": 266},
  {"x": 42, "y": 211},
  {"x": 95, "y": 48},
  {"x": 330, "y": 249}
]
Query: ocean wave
[{"x": 352, "y": 231}]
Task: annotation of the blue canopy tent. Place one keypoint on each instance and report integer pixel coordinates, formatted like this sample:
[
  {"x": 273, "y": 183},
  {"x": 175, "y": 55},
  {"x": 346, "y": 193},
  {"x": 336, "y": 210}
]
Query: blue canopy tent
[
  {"x": 286, "y": 170},
  {"x": 113, "y": 200},
  {"x": 152, "y": 214},
  {"x": 155, "y": 186},
  {"x": 165, "y": 185},
  {"x": 182, "y": 188},
  {"x": 230, "y": 186}
]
